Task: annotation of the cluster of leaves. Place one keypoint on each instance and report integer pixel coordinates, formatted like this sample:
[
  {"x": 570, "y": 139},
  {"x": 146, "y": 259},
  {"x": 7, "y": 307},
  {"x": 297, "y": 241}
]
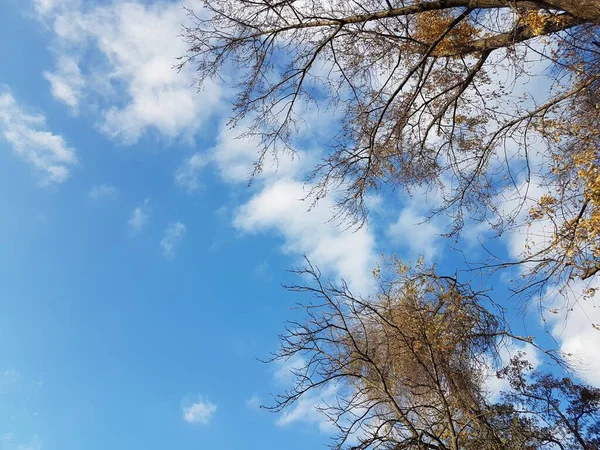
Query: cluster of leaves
[
  {"x": 409, "y": 367},
  {"x": 431, "y": 24}
]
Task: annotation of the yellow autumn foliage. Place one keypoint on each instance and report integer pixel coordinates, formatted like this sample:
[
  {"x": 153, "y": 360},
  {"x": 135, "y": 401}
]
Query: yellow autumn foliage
[{"x": 432, "y": 25}]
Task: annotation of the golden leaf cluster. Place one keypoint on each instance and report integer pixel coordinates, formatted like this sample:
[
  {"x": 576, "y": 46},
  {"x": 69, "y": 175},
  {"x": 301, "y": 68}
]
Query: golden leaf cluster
[
  {"x": 422, "y": 339},
  {"x": 574, "y": 207},
  {"x": 432, "y": 25},
  {"x": 539, "y": 20}
]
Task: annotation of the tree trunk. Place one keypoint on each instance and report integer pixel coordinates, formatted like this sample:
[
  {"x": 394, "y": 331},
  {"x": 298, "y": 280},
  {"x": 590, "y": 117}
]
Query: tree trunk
[{"x": 588, "y": 10}]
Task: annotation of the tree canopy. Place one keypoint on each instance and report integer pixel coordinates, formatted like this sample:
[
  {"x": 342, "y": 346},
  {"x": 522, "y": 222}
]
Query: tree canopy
[
  {"x": 409, "y": 364},
  {"x": 495, "y": 105},
  {"x": 429, "y": 94}
]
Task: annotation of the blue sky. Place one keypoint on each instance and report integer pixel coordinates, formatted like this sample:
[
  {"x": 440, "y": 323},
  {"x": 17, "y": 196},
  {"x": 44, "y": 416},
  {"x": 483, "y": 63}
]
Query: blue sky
[{"x": 139, "y": 275}]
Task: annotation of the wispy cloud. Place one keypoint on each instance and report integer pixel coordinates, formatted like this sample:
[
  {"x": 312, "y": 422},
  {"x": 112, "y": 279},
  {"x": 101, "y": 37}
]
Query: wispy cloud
[
  {"x": 139, "y": 217},
  {"x": 34, "y": 444},
  {"x": 306, "y": 409},
  {"x": 66, "y": 82},
  {"x": 199, "y": 412},
  {"x": 172, "y": 238},
  {"x": 101, "y": 191},
  {"x": 415, "y": 234},
  {"x": 43, "y": 7},
  {"x": 27, "y": 134},
  {"x": 187, "y": 175},
  {"x": 263, "y": 270},
  {"x": 9, "y": 379},
  {"x": 8, "y": 442},
  {"x": 254, "y": 402}
]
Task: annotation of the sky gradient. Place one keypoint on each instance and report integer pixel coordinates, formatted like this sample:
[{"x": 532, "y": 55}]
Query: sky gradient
[{"x": 140, "y": 276}]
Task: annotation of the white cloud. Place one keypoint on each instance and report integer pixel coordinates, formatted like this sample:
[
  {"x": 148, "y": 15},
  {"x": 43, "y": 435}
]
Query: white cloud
[
  {"x": 188, "y": 173},
  {"x": 254, "y": 402},
  {"x": 494, "y": 385},
  {"x": 139, "y": 217},
  {"x": 126, "y": 52},
  {"x": 569, "y": 316},
  {"x": 305, "y": 409},
  {"x": 415, "y": 234},
  {"x": 172, "y": 238},
  {"x": 44, "y": 7},
  {"x": 27, "y": 133},
  {"x": 572, "y": 319},
  {"x": 278, "y": 207},
  {"x": 518, "y": 201},
  {"x": 235, "y": 157},
  {"x": 67, "y": 82},
  {"x": 286, "y": 369},
  {"x": 199, "y": 412},
  {"x": 102, "y": 191}
]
